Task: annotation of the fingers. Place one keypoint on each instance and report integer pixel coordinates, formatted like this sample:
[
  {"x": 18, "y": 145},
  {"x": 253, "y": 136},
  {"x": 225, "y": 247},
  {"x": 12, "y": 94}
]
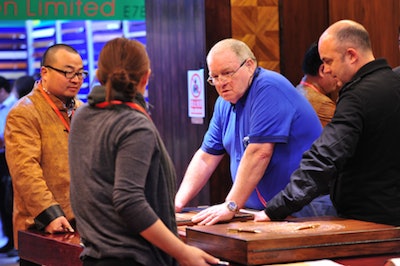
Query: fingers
[
  {"x": 212, "y": 215},
  {"x": 260, "y": 217},
  {"x": 67, "y": 227},
  {"x": 209, "y": 220},
  {"x": 196, "y": 256},
  {"x": 59, "y": 225},
  {"x": 206, "y": 217},
  {"x": 60, "y": 229}
]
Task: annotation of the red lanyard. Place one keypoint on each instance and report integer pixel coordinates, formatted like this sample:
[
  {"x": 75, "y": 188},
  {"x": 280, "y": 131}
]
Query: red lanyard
[
  {"x": 261, "y": 198},
  {"x": 62, "y": 118},
  {"x": 310, "y": 85},
  {"x": 130, "y": 104}
]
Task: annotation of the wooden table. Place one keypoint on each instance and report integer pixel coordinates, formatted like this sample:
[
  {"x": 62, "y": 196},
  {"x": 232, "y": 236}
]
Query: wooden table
[
  {"x": 49, "y": 249},
  {"x": 297, "y": 240},
  {"x": 64, "y": 249}
]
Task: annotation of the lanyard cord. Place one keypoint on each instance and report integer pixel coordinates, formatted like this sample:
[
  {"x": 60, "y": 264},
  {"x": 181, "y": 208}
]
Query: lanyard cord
[
  {"x": 261, "y": 198},
  {"x": 130, "y": 104},
  {"x": 54, "y": 107},
  {"x": 310, "y": 85}
]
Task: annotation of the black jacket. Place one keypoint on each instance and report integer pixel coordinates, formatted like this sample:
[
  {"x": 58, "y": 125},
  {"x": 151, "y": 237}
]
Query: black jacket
[{"x": 356, "y": 159}]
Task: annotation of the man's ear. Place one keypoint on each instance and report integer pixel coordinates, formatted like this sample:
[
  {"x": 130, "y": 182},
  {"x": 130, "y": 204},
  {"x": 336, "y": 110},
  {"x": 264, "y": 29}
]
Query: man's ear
[
  {"x": 43, "y": 71},
  {"x": 321, "y": 71},
  {"x": 352, "y": 54},
  {"x": 251, "y": 65}
]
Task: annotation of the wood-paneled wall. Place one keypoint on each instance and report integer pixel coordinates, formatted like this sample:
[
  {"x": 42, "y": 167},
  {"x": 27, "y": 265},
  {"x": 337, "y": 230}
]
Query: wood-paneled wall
[
  {"x": 218, "y": 26},
  {"x": 175, "y": 43},
  {"x": 380, "y": 17},
  {"x": 303, "y": 21},
  {"x": 257, "y": 24}
]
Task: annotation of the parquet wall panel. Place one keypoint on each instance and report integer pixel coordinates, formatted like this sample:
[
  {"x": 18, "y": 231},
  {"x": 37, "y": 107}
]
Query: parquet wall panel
[
  {"x": 380, "y": 17},
  {"x": 257, "y": 24}
]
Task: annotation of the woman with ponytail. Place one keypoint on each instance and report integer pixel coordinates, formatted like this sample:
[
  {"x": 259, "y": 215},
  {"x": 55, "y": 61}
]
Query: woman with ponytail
[{"x": 122, "y": 178}]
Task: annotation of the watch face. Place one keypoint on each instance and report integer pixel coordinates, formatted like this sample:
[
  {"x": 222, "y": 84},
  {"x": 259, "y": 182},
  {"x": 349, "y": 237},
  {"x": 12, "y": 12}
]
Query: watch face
[{"x": 232, "y": 206}]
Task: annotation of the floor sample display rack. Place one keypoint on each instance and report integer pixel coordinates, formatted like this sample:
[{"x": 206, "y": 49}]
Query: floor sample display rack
[{"x": 22, "y": 43}]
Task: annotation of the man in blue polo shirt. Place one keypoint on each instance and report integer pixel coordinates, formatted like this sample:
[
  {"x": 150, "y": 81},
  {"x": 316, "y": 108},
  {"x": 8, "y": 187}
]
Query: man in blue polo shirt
[{"x": 261, "y": 121}]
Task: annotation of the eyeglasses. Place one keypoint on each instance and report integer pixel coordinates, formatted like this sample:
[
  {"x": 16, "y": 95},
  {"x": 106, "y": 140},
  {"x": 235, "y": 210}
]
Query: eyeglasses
[
  {"x": 224, "y": 77},
  {"x": 70, "y": 74}
]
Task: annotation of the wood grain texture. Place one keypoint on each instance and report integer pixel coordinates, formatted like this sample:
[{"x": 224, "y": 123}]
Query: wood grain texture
[
  {"x": 176, "y": 44},
  {"x": 281, "y": 242},
  {"x": 380, "y": 17},
  {"x": 257, "y": 24},
  {"x": 49, "y": 249}
]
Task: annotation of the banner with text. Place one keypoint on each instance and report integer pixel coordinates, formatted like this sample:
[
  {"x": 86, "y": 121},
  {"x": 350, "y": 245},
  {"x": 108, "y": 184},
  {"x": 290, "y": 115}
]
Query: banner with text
[{"x": 72, "y": 9}]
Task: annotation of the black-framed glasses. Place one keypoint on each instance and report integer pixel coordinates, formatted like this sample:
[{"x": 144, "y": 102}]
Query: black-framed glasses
[
  {"x": 224, "y": 77},
  {"x": 70, "y": 74}
]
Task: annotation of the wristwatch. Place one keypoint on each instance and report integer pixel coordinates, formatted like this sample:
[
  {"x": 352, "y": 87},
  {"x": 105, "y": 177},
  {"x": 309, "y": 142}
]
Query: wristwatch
[{"x": 232, "y": 206}]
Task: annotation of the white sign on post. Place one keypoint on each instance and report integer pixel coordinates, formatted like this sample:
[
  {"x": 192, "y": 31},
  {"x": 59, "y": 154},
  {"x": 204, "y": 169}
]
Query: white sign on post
[{"x": 196, "y": 106}]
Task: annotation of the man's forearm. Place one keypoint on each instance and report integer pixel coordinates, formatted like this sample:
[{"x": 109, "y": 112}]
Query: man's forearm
[{"x": 197, "y": 174}]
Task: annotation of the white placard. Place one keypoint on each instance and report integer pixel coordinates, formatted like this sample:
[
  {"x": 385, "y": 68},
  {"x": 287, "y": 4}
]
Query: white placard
[{"x": 196, "y": 103}]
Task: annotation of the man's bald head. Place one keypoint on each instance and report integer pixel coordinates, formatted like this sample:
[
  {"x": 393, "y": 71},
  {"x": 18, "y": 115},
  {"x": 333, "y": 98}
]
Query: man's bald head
[{"x": 348, "y": 34}]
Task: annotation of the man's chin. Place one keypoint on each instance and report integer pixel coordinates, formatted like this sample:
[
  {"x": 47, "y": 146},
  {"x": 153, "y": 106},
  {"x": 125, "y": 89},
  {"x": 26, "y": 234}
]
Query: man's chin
[{"x": 72, "y": 93}]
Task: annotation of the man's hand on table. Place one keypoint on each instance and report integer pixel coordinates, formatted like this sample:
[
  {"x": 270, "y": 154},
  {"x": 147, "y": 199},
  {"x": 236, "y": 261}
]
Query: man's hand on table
[
  {"x": 213, "y": 214},
  {"x": 59, "y": 225},
  {"x": 261, "y": 216}
]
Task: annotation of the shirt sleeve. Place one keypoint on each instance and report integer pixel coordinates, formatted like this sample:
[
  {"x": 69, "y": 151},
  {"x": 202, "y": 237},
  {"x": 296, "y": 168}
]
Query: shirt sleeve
[
  {"x": 212, "y": 142},
  {"x": 270, "y": 116},
  {"x": 24, "y": 154},
  {"x": 133, "y": 161}
]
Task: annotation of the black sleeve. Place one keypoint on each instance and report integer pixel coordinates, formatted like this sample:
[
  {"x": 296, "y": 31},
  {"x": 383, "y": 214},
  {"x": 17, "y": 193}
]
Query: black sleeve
[
  {"x": 321, "y": 164},
  {"x": 47, "y": 216}
]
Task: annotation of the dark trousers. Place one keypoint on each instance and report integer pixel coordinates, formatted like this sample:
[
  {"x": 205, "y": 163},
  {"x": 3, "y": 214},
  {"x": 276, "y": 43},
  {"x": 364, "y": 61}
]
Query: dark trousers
[{"x": 6, "y": 200}]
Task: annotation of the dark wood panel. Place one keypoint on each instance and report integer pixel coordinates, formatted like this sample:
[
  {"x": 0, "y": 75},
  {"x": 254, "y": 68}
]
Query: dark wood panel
[
  {"x": 301, "y": 22},
  {"x": 176, "y": 43},
  {"x": 380, "y": 17},
  {"x": 218, "y": 27}
]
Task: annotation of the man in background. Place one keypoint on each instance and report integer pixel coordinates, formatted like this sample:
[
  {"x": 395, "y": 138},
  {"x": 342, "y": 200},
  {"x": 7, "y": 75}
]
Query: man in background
[
  {"x": 317, "y": 85},
  {"x": 23, "y": 85}
]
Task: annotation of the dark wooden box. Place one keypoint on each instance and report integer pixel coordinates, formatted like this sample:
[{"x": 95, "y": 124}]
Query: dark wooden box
[
  {"x": 49, "y": 249},
  {"x": 294, "y": 240}
]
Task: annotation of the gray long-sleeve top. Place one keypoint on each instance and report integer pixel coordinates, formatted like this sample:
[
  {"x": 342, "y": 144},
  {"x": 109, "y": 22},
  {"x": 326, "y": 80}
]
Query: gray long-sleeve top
[{"x": 122, "y": 181}]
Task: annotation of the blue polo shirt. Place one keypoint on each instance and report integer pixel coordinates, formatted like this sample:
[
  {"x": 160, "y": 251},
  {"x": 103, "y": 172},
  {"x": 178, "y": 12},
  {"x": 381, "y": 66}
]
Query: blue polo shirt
[{"x": 271, "y": 111}]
